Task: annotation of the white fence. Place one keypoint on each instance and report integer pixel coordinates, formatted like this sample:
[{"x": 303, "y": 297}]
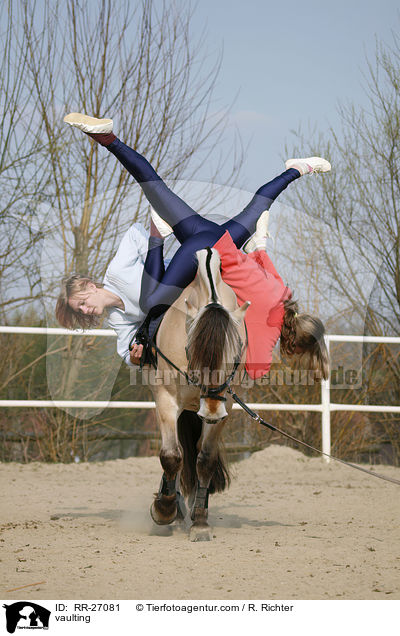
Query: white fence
[{"x": 325, "y": 407}]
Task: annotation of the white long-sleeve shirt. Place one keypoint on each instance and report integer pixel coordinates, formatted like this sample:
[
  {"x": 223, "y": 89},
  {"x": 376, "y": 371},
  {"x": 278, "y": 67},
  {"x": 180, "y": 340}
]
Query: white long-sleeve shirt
[{"x": 124, "y": 277}]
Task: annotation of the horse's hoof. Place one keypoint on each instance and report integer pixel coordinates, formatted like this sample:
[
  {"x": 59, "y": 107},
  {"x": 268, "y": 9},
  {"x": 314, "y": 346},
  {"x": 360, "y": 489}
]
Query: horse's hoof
[
  {"x": 160, "y": 531},
  {"x": 200, "y": 533},
  {"x": 163, "y": 517}
]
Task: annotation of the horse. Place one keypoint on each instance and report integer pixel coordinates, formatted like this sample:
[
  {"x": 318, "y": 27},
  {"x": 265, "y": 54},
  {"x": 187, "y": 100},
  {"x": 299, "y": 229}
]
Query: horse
[{"x": 201, "y": 341}]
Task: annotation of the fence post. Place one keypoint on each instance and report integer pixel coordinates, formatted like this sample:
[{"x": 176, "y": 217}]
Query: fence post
[{"x": 326, "y": 413}]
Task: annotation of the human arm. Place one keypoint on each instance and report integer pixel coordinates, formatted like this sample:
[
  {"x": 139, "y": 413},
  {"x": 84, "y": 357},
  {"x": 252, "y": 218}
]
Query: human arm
[
  {"x": 126, "y": 331},
  {"x": 123, "y": 277}
]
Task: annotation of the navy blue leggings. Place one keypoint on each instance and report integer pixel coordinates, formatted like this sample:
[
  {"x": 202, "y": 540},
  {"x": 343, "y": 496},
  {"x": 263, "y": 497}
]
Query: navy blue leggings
[{"x": 160, "y": 287}]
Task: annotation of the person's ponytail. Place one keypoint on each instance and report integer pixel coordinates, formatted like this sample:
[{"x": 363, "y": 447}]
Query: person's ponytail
[
  {"x": 288, "y": 332},
  {"x": 319, "y": 359},
  {"x": 304, "y": 334}
]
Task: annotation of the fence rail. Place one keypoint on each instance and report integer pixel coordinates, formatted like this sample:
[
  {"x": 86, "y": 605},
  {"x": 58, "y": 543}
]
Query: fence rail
[{"x": 325, "y": 407}]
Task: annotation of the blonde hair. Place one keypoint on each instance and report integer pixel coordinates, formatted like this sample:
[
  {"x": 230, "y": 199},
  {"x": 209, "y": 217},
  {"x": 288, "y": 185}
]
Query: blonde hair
[
  {"x": 68, "y": 317},
  {"x": 306, "y": 332}
]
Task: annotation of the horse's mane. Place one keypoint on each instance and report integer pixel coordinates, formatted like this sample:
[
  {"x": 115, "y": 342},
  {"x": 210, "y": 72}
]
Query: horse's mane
[
  {"x": 213, "y": 336},
  {"x": 213, "y": 341}
]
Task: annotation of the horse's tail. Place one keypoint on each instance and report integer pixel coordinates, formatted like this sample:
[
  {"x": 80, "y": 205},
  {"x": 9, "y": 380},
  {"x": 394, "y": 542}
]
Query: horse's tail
[
  {"x": 213, "y": 335},
  {"x": 189, "y": 432}
]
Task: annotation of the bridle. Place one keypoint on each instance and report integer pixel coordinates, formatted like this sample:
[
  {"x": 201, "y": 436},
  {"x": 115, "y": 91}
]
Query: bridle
[{"x": 207, "y": 392}]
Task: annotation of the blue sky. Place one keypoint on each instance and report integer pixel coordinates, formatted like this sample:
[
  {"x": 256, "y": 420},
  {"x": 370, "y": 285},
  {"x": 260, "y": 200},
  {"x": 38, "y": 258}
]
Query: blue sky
[{"x": 291, "y": 62}]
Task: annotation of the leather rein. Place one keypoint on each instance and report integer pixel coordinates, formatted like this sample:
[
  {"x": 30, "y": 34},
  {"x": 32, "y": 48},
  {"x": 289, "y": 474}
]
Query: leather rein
[{"x": 207, "y": 392}]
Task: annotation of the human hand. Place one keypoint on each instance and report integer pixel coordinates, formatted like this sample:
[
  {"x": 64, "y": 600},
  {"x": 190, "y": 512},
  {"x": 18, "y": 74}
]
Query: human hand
[{"x": 136, "y": 353}]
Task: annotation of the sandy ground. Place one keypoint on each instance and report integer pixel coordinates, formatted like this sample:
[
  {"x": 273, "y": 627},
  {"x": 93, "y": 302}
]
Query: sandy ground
[{"x": 288, "y": 528}]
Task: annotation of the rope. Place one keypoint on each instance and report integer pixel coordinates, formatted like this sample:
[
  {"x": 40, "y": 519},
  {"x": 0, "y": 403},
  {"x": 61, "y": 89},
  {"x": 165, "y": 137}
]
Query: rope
[{"x": 257, "y": 418}]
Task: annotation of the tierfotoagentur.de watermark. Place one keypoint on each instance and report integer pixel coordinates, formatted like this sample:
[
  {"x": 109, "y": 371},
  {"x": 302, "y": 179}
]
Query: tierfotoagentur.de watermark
[{"x": 340, "y": 377}]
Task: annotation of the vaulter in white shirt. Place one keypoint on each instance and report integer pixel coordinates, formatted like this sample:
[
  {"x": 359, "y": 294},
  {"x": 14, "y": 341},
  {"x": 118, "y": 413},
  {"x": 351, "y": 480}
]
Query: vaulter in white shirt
[{"x": 124, "y": 278}]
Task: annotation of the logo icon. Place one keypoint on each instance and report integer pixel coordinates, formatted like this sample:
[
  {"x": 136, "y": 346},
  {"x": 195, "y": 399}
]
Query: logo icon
[{"x": 26, "y": 615}]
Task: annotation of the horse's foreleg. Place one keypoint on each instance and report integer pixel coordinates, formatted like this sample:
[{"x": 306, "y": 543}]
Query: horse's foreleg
[
  {"x": 206, "y": 464},
  {"x": 164, "y": 507}
]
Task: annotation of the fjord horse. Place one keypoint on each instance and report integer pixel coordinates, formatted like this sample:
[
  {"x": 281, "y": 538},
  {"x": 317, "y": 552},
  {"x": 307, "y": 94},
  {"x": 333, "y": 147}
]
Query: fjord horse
[{"x": 203, "y": 335}]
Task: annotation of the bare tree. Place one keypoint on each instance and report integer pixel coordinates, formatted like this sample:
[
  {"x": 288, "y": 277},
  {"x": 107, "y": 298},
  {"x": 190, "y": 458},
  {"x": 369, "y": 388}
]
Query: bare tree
[
  {"x": 359, "y": 203},
  {"x": 22, "y": 171},
  {"x": 135, "y": 62},
  {"x": 354, "y": 217}
]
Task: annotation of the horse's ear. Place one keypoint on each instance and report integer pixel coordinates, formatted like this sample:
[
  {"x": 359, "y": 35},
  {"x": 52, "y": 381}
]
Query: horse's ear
[
  {"x": 240, "y": 312},
  {"x": 192, "y": 310}
]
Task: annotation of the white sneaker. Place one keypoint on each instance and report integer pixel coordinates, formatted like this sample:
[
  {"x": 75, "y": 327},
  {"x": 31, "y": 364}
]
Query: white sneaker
[
  {"x": 255, "y": 243},
  {"x": 89, "y": 124},
  {"x": 308, "y": 165},
  {"x": 161, "y": 225},
  {"x": 259, "y": 239},
  {"x": 262, "y": 225}
]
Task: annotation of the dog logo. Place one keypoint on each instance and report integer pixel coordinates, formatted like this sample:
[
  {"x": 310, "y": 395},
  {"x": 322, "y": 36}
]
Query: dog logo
[{"x": 26, "y": 615}]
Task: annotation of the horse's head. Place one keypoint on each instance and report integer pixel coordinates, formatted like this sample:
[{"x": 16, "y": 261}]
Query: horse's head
[{"x": 216, "y": 335}]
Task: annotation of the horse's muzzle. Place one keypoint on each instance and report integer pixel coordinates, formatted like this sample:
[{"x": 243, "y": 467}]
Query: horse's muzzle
[{"x": 212, "y": 409}]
